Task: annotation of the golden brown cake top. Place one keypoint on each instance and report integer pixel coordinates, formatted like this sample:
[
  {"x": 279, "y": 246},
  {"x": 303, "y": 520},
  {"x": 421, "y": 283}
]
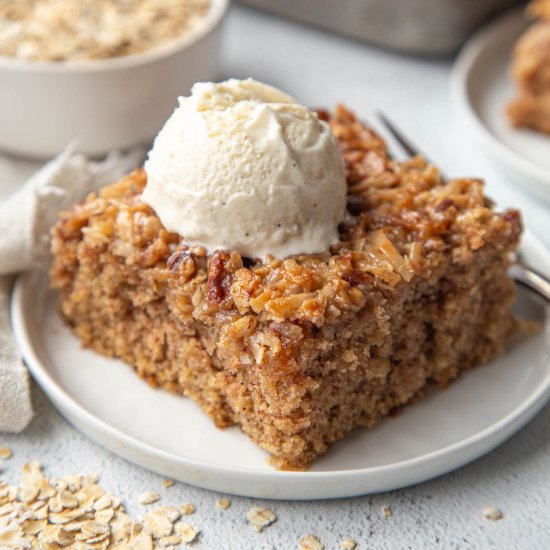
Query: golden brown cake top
[{"x": 405, "y": 221}]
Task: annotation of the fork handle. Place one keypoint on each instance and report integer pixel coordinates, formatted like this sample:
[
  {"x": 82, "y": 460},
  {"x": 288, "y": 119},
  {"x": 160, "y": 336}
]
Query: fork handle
[{"x": 531, "y": 279}]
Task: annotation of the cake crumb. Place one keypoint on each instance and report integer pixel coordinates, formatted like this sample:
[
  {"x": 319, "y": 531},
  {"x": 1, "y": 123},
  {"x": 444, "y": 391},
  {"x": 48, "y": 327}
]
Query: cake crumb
[
  {"x": 348, "y": 544},
  {"x": 260, "y": 517},
  {"x": 187, "y": 509},
  {"x": 223, "y": 503},
  {"x": 5, "y": 453},
  {"x": 491, "y": 513},
  {"x": 167, "y": 483},
  {"x": 529, "y": 327},
  {"x": 149, "y": 497},
  {"x": 387, "y": 512},
  {"x": 186, "y": 532},
  {"x": 311, "y": 542}
]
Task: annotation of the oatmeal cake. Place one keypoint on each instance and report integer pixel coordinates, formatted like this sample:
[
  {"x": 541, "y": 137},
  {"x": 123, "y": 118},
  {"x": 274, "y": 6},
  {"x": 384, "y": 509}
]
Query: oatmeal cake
[
  {"x": 531, "y": 72},
  {"x": 299, "y": 351}
]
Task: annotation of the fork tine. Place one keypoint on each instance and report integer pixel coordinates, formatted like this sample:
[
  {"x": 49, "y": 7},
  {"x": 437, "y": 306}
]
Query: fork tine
[
  {"x": 404, "y": 142},
  {"x": 397, "y": 135}
]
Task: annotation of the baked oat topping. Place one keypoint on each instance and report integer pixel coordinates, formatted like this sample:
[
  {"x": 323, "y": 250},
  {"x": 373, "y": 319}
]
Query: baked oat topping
[
  {"x": 491, "y": 513},
  {"x": 260, "y": 517},
  {"x": 311, "y": 542},
  {"x": 79, "y": 30},
  {"x": 401, "y": 229}
]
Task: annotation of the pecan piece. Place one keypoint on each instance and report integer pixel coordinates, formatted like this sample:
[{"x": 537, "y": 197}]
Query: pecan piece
[
  {"x": 176, "y": 258},
  {"x": 356, "y": 277},
  {"x": 219, "y": 280},
  {"x": 445, "y": 204},
  {"x": 323, "y": 114}
]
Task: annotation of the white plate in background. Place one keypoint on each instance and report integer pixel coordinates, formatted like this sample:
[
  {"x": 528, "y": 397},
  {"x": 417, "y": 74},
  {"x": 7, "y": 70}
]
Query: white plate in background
[
  {"x": 482, "y": 87},
  {"x": 170, "y": 435}
]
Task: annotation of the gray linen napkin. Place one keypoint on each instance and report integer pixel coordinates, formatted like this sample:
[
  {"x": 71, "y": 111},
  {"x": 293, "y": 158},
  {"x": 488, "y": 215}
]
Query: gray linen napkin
[{"x": 25, "y": 220}]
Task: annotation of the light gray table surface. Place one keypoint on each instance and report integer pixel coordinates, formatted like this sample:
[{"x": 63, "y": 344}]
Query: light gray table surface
[{"x": 320, "y": 70}]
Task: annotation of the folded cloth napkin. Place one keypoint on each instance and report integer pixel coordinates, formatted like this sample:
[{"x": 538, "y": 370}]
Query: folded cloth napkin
[{"x": 25, "y": 221}]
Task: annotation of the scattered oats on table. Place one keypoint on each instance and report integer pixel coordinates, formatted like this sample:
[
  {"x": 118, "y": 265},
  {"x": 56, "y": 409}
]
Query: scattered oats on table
[
  {"x": 149, "y": 497},
  {"x": 223, "y": 503},
  {"x": 491, "y": 513},
  {"x": 186, "y": 532},
  {"x": 387, "y": 512},
  {"x": 187, "y": 509},
  {"x": 5, "y": 453},
  {"x": 348, "y": 544},
  {"x": 103, "y": 502},
  {"x": 172, "y": 540},
  {"x": 89, "y": 479},
  {"x": 260, "y": 517},
  {"x": 76, "y": 512},
  {"x": 160, "y": 522},
  {"x": 167, "y": 483},
  {"x": 311, "y": 542}
]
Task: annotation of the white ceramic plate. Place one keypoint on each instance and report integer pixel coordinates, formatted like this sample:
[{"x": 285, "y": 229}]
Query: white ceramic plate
[
  {"x": 170, "y": 435},
  {"x": 481, "y": 89}
]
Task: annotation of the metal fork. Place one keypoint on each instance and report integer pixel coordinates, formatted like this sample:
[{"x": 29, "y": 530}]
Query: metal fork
[{"x": 519, "y": 270}]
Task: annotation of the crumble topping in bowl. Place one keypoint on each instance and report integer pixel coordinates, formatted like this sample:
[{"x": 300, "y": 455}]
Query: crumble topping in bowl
[{"x": 80, "y": 30}]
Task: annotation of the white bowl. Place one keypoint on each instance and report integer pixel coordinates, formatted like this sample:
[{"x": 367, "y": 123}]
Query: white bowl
[{"x": 104, "y": 104}]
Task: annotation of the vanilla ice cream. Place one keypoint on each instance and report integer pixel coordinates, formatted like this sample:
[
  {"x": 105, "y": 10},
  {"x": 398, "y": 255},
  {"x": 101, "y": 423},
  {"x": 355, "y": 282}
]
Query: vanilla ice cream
[{"x": 241, "y": 166}]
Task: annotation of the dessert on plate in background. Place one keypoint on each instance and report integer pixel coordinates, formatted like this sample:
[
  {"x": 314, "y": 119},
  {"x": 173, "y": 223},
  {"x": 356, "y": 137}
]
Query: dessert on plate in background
[{"x": 531, "y": 72}]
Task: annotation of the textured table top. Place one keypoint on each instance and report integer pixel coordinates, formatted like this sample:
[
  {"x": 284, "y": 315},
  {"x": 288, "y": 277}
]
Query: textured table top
[{"x": 321, "y": 70}]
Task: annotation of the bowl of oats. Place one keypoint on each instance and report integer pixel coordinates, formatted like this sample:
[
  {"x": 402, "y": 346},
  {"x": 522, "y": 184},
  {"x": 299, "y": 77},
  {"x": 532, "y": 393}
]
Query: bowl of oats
[{"x": 103, "y": 73}]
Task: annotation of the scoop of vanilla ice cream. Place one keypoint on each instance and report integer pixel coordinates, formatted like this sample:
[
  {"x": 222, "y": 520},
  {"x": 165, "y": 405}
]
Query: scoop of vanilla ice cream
[{"x": 241, "y": 166}]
